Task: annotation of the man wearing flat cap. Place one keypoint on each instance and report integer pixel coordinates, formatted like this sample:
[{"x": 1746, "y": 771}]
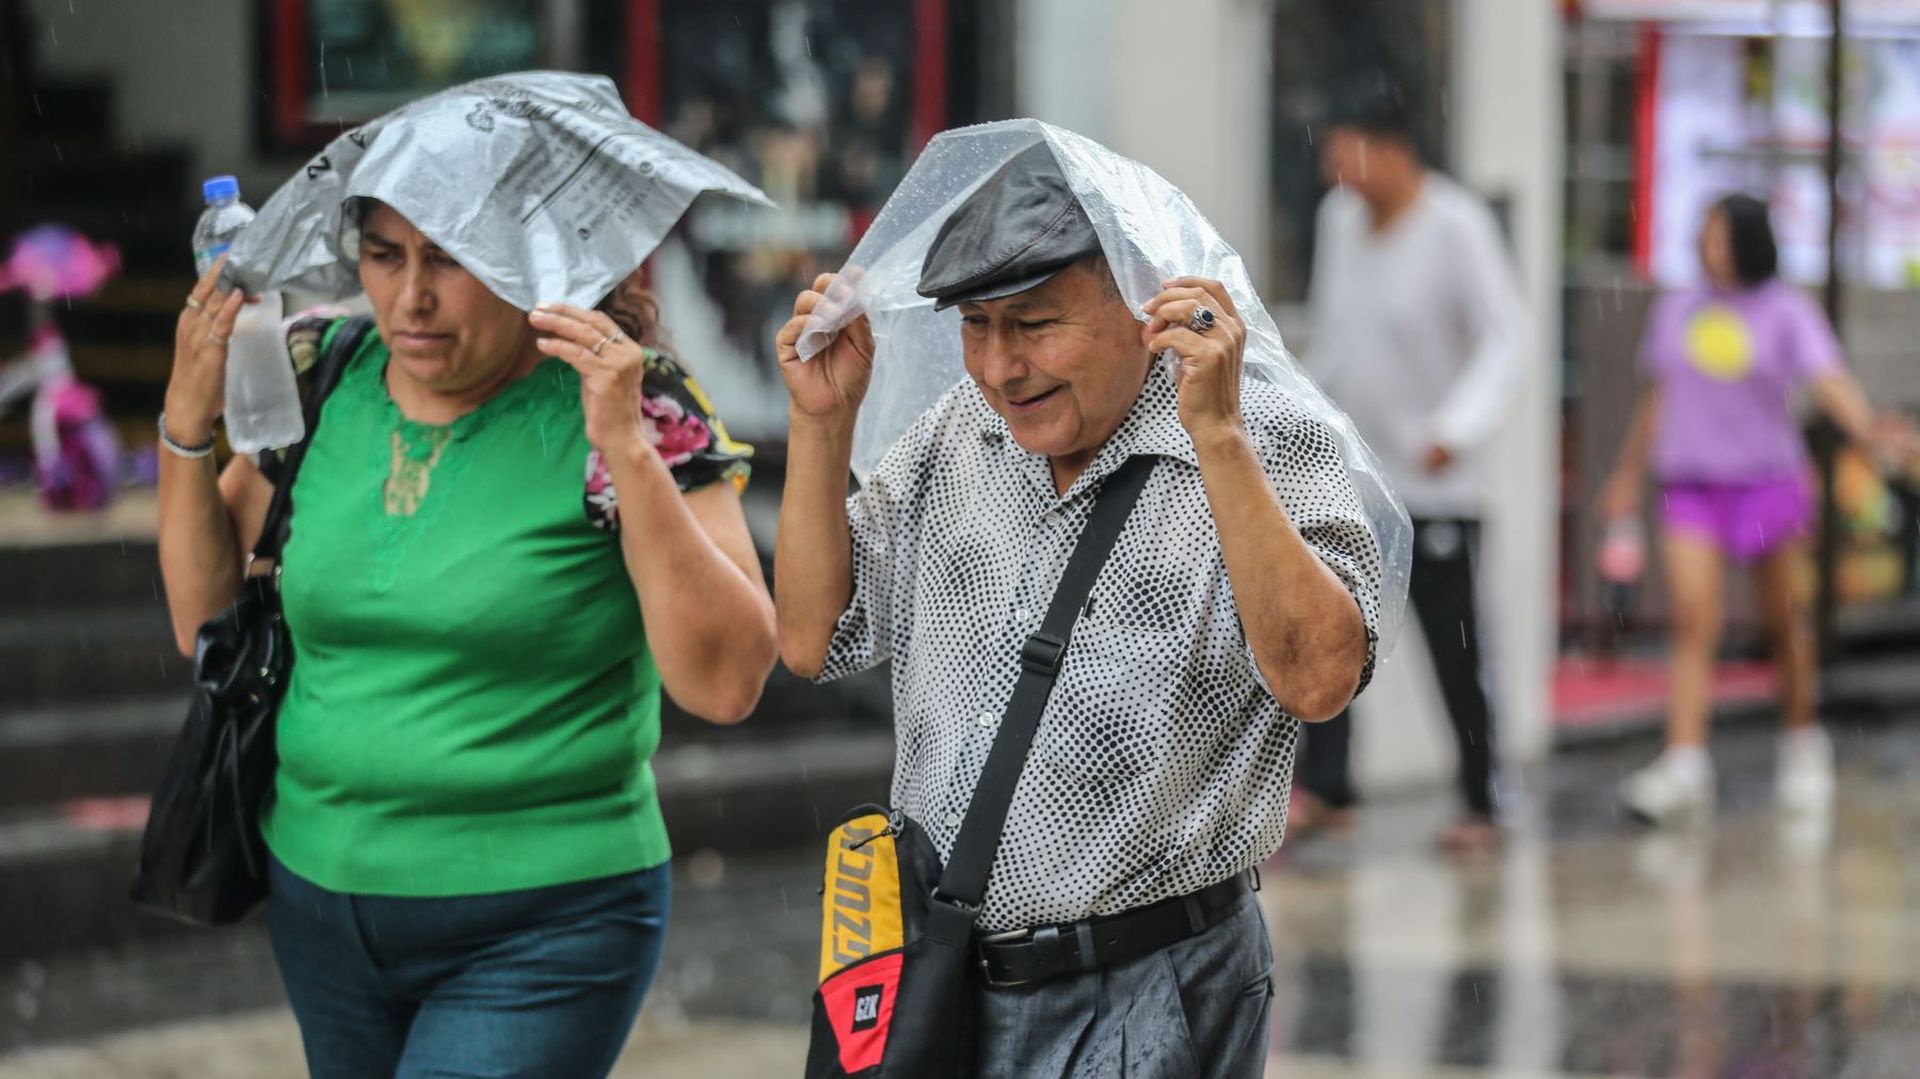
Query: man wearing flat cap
[{"x": 1239, "y": 599}]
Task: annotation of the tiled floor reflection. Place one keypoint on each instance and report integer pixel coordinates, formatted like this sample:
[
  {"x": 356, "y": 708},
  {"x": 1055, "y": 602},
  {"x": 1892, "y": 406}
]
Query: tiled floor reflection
[{"x": 1758, "y": 948}]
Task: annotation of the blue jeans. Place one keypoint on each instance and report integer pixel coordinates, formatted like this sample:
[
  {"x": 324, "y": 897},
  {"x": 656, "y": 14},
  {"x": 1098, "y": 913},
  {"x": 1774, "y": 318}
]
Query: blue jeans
[{"x": 543, "y": 983}]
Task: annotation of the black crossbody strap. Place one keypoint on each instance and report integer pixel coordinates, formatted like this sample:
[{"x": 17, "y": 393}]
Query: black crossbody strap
[
  {"x": 965, "y": 880},
  {"x": 340, "y": 351}
]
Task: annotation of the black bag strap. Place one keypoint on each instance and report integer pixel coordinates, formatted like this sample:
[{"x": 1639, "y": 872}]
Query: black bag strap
[
  {"x": 964, "y": 883},
  {"x": 340, "y": 350}
]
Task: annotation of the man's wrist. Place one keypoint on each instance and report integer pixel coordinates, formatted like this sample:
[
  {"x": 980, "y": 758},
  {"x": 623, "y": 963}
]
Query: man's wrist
[
  {"x": 831, "y": 425},
  {"x": 1221, "y": 439}
]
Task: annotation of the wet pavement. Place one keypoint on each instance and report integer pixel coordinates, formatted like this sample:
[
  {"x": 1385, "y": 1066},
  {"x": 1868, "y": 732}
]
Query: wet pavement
[{"x": 1588, "y": 948}]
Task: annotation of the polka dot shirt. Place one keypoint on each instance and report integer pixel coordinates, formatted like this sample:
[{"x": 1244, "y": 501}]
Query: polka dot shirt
[{"x": 1162, "y": 763}]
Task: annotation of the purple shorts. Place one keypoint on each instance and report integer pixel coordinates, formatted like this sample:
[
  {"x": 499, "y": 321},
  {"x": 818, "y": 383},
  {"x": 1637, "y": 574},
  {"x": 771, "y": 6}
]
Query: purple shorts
[{"x": 1747, "y": 521}]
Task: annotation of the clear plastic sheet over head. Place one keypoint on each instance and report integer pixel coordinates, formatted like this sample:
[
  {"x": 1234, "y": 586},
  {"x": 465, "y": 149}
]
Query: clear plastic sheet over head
[
  {"x": 1149, "y": 231},
  {"x": 539, "y": 183}
]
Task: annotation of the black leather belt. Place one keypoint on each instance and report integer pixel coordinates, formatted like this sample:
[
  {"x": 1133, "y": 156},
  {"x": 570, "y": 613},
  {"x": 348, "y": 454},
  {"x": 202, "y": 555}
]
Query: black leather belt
[{"x": 1026, "y": 956}]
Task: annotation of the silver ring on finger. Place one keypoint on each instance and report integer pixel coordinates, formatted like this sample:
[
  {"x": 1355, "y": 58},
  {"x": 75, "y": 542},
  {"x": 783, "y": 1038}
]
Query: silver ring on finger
[
  {"x": 217, "y": 339},
  {"x": 195, "y": 305},
  {"x": 1201, "y": 320},
  {"x": 600, "y": 344}
]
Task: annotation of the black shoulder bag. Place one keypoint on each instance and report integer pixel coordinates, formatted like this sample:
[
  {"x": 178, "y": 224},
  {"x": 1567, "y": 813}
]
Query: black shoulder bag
[
  {"x": 202, "y": 858},
  {"x": 896, "y": 978}
]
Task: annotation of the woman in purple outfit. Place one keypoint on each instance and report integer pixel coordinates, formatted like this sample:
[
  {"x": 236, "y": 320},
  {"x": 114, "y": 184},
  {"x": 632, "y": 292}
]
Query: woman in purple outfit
[{"x": 1717, "y": 429}]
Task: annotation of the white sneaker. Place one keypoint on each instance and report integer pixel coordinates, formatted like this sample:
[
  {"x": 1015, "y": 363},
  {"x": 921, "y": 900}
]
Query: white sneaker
[
  {"x": 1676, "y": 787},
  {"x": 1803, "y": 785}
]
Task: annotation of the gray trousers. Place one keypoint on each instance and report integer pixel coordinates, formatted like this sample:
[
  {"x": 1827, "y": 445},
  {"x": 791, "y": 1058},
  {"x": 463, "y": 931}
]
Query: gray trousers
[{"x": 1197, "y": 1009}]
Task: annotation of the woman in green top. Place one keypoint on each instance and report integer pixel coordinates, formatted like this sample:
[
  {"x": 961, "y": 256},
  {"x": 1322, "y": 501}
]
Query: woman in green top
[{"x": 512, "y": 530}]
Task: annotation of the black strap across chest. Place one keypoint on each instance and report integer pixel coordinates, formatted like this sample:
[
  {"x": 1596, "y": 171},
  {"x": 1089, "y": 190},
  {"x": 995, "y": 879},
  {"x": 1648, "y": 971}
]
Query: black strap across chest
[{"x": 964, "y": 882}]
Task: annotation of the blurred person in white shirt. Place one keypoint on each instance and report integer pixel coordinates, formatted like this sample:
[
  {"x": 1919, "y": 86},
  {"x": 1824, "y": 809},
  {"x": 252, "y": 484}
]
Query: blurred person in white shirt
[{"x": 1420, "y": 333}]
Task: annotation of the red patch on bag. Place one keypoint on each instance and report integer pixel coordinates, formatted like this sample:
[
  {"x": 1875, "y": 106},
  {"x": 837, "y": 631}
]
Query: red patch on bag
[{"x": 859, "y": 1003}]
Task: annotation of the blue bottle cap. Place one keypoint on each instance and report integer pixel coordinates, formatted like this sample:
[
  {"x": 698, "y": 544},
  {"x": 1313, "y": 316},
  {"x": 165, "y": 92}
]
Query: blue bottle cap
[{"x": 218, "y": 188}]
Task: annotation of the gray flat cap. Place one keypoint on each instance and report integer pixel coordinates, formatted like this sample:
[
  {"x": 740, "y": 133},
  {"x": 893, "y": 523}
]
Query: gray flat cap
[{"x": 1020, "y": 228}]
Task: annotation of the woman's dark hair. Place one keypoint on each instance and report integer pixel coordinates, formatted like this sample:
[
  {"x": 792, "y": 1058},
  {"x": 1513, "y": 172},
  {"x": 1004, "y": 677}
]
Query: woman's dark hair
[
  {"x": 1756, "y": 257},
  {"x": 633, "y": 308}
]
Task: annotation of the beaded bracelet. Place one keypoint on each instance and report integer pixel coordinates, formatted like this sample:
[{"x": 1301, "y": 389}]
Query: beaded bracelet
[{"x": 191, "y": 453}]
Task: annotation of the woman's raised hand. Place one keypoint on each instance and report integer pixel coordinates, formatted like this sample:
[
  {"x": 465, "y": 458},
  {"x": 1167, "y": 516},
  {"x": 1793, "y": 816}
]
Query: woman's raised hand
[{"x": 197, "y": 388}]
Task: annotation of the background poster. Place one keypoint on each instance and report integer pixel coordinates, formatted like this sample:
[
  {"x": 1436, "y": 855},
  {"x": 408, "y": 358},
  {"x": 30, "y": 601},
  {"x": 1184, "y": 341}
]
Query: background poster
[
  {"x": 337, "y": 62},
  {"x": 1748, "y": 114},
  {"x": 812, "y": 101}
]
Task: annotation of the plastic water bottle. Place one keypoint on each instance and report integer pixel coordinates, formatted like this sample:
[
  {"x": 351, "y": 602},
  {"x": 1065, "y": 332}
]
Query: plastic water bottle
[
  {"x": 1622, "y": 560},
  {"x": 263, "y": 401},
  {"x": 223, "y": 219}
]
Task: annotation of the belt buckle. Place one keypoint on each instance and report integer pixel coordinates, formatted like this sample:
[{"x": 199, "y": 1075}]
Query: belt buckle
[{"x": 1005, "y": 936}]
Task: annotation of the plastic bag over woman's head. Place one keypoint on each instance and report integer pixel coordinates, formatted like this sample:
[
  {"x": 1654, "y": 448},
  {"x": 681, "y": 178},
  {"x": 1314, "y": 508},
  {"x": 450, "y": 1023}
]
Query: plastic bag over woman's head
[{"x": 538, "y": 183}]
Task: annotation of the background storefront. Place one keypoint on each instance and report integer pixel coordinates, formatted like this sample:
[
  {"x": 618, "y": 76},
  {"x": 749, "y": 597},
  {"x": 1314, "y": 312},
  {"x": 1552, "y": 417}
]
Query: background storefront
[{"x": 1672, "y": 104}]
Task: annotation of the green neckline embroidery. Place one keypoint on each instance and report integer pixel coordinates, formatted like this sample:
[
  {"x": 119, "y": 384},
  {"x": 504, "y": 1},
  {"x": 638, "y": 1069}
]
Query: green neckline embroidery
[
  {"x": 411, "y": 474},
  {"x": 423, "y": 462}
]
